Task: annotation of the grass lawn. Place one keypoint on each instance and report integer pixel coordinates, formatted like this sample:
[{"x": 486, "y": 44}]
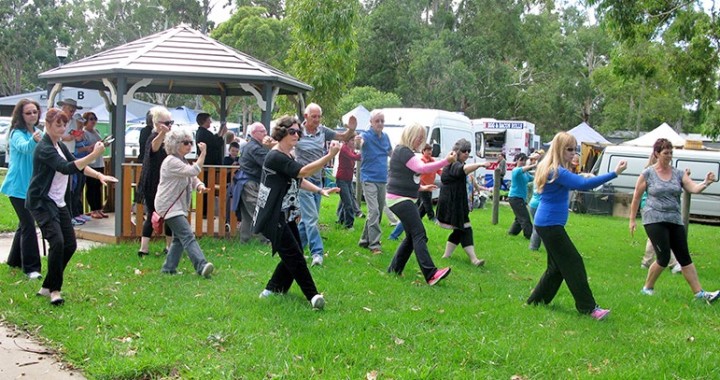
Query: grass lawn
[
  {"x": 8, "y": 219},
  {"x": 123, "y": 319}
]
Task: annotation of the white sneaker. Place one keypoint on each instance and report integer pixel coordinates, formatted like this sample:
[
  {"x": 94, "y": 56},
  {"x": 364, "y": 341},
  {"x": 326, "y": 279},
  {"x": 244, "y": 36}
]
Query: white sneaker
[
  {"x": 317, "y": 260},
  {"x": 676, "y": 269},
  {"x": 318, "y": 302},
  {"x": 710, "y": 297},
  {"x": 647, "y": 292},
  {"x": 266, "y": 293},
  {"x": 207, "y": 270},
  {"x": 34, "y": 275}
]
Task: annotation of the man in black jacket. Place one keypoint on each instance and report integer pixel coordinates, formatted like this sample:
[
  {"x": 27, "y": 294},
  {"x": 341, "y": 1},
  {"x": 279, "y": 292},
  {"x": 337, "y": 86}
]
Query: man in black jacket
[{"x": 215, "y": 144}]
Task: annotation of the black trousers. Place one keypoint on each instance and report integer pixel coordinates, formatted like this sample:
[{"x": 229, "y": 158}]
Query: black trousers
[
  {"x": 522, "y": 218},
  {"x": 563, "y": 263},
  {"x": 76, "y": 205},
  {"x": 59, "y": 233},
  {"x": 94, "y": 192},
  {"x": 415, "y": 240},
  {"x": 292, "y": 265},
  {"x": 666, "y": 237},
  {"x": 147, "y": 228},
  {"x": 462, "y": 237},
  {"x": 425, "y": 204},
  {"x": 24, "y": 252}
]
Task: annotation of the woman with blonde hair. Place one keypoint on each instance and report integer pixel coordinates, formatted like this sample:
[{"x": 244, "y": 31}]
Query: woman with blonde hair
[
  {"x": 150, "y": 177},
  {"x": 662, "y": 219},
  {"x": 554, "y": 180},
  {"x": 403, "y": 185}
]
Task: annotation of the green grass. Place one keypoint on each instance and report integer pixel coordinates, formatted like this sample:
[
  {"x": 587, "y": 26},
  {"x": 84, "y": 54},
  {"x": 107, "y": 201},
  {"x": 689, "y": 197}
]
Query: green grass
[
  {"x": 123, "y": 319},
  {"x": 8, "y": 219}
]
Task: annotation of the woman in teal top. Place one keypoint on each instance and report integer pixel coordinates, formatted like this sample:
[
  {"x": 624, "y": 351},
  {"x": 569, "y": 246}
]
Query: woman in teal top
[
  {"x": 23, "y": 136},
  {"x": 517, "y": 197}
]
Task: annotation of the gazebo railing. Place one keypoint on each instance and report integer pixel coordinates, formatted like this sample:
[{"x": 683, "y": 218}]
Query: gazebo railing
[{"x": 215, "y": 178}]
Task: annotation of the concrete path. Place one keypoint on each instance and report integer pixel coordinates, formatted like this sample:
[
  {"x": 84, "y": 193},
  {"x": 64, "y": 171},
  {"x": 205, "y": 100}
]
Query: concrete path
[{"x": 21, "y": 357}]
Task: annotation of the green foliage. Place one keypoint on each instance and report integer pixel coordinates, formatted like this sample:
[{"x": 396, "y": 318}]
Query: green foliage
[
  {"x": 324, "y": 48},
  {"x": 8, "y": 219},
  {"x": 248, "y": 30},
  {"x": 369, "y": 97},
  {"x": 384, "y": 39},
  {"x": 123, "y": 319}
]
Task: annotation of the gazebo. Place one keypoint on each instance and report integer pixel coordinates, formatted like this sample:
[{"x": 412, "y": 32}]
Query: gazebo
[{"x": 180, "y": 60}]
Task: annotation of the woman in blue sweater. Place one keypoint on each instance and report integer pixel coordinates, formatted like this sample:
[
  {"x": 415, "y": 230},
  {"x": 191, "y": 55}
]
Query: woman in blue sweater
[
  {"x": 23, "y": 136},
  {"x": 554, "y": 181}
]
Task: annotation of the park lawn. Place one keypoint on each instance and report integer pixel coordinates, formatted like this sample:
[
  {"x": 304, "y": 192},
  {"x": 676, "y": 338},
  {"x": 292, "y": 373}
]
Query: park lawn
[
  {"x": 123, "y": 319},
  {"x": 8, "y": 219}
]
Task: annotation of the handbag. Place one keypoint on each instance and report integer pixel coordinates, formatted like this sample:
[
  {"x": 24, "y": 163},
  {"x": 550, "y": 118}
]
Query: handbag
[{"x": 158, "y": 222}]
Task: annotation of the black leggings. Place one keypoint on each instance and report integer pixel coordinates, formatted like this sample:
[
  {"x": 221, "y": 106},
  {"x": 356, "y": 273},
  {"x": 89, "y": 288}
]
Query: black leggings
[
  {"x": 462, "y": 237},
  {"x": 666, "y": 237}
]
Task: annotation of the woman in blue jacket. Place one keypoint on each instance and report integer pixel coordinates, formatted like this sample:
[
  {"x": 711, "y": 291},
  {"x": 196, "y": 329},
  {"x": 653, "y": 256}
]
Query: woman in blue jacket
[
  {"x": 554, "y": 181},
  {"x": 23, "y": 136}
]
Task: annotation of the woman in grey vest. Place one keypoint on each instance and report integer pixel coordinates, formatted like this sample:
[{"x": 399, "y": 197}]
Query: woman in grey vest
[{"x": 662, "y": 219}]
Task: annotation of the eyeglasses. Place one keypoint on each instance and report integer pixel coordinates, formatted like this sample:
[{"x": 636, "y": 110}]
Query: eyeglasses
[
  {"x": 295, "y": 131},
  {"x": 30, "y": 113},
  {"x": 187, "y": 142},
  {"x": 168, "y": 123},
  {"x": 570, "y": 149}
]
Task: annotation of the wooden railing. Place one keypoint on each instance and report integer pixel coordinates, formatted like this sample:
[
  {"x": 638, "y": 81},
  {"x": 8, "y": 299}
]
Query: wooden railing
[{"x": 215, "y": 179}]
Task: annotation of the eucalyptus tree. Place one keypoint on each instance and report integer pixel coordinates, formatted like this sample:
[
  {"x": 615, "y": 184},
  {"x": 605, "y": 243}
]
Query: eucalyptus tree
[
  {"x": 689, "y": 31},
  {"x": 29, "y": 33},
  {"x": 324, "y": 48}
]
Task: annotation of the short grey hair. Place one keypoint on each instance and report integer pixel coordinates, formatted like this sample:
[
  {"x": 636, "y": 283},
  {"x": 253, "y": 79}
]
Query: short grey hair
[
  {"x": 174, "y": 139},
  {"x": 461, "y": 145}
]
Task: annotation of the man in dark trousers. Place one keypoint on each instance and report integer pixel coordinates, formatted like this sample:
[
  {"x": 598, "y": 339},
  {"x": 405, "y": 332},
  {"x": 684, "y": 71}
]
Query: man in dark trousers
[{"x": 215, "y": 144}]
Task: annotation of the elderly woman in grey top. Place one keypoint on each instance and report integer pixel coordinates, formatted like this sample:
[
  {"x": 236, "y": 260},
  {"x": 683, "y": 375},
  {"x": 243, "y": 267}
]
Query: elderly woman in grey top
[
  {"x": 178, "y": 178},
  {"x": 662, "y": 219}
]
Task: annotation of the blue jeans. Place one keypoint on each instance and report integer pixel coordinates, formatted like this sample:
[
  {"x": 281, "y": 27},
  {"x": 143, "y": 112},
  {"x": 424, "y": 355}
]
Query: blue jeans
[
  {"x": 308, "y": 227},
  {"x": 399, "y": 229},
  {"x": 346, "y": 207},
  {"x": 183, "y": 240}
]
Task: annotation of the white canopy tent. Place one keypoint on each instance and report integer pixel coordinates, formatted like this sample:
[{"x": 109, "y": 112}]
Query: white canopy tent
[
  {"x": 361, "y": 114},
  {"x": 584, "y": 133},
  {"x": 663, "y": 131}
]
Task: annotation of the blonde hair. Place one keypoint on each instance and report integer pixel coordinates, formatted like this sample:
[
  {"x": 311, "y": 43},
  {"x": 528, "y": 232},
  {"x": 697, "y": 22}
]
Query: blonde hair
[
  {"x": 410, "y": 133},
  {"x": 158, "y": 112},
  {"x": 553, "y": 159}
]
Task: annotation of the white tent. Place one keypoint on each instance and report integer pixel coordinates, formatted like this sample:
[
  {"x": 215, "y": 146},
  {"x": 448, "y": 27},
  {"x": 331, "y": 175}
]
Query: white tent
[
  {"x": 361, "y": 114},
  {"x": 663, "y": 131},
  {"x": 584, "y": 133},
  {"x": 103, "y": 115}
]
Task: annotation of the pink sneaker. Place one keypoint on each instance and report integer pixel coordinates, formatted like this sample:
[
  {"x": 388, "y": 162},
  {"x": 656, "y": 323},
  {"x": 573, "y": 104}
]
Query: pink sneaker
[
  {"x": 439, "y": 275},
  {"x": 599, "y": 313}
]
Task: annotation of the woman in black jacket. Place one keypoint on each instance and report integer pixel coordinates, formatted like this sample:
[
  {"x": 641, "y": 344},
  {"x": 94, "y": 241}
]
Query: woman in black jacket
[{"x": 52, "y": 166}]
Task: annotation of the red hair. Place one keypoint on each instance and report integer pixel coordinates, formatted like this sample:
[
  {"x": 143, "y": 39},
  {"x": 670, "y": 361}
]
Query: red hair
[{"x": 54, "y": 114}]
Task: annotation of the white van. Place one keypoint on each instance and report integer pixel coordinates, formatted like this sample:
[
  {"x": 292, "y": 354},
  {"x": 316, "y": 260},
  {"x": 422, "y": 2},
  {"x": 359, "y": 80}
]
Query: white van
[
  {"x": 443, "y": 128},
  {"x": 699, "y": 162}
]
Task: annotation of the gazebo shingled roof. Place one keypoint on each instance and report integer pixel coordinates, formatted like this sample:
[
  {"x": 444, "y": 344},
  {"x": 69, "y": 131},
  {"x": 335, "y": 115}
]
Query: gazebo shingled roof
[{"x": 179, "y": 60}]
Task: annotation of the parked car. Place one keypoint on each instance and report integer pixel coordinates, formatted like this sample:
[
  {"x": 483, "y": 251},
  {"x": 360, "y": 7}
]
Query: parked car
[
  {"x": 4, "y": 128},
  {"x": 132, "y": 138}
]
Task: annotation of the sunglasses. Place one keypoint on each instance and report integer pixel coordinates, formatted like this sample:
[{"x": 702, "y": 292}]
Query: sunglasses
[
  {"x": 92, "y": 119},
  {"x": 570, "y": 149},
  {"x": 465, "y": 151},
  {"x": 168, "y": 123},
  {"x": 294, "y": 131},
  {"x": 187, "y": 142},
  {"x": 30, "y": 113}
]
